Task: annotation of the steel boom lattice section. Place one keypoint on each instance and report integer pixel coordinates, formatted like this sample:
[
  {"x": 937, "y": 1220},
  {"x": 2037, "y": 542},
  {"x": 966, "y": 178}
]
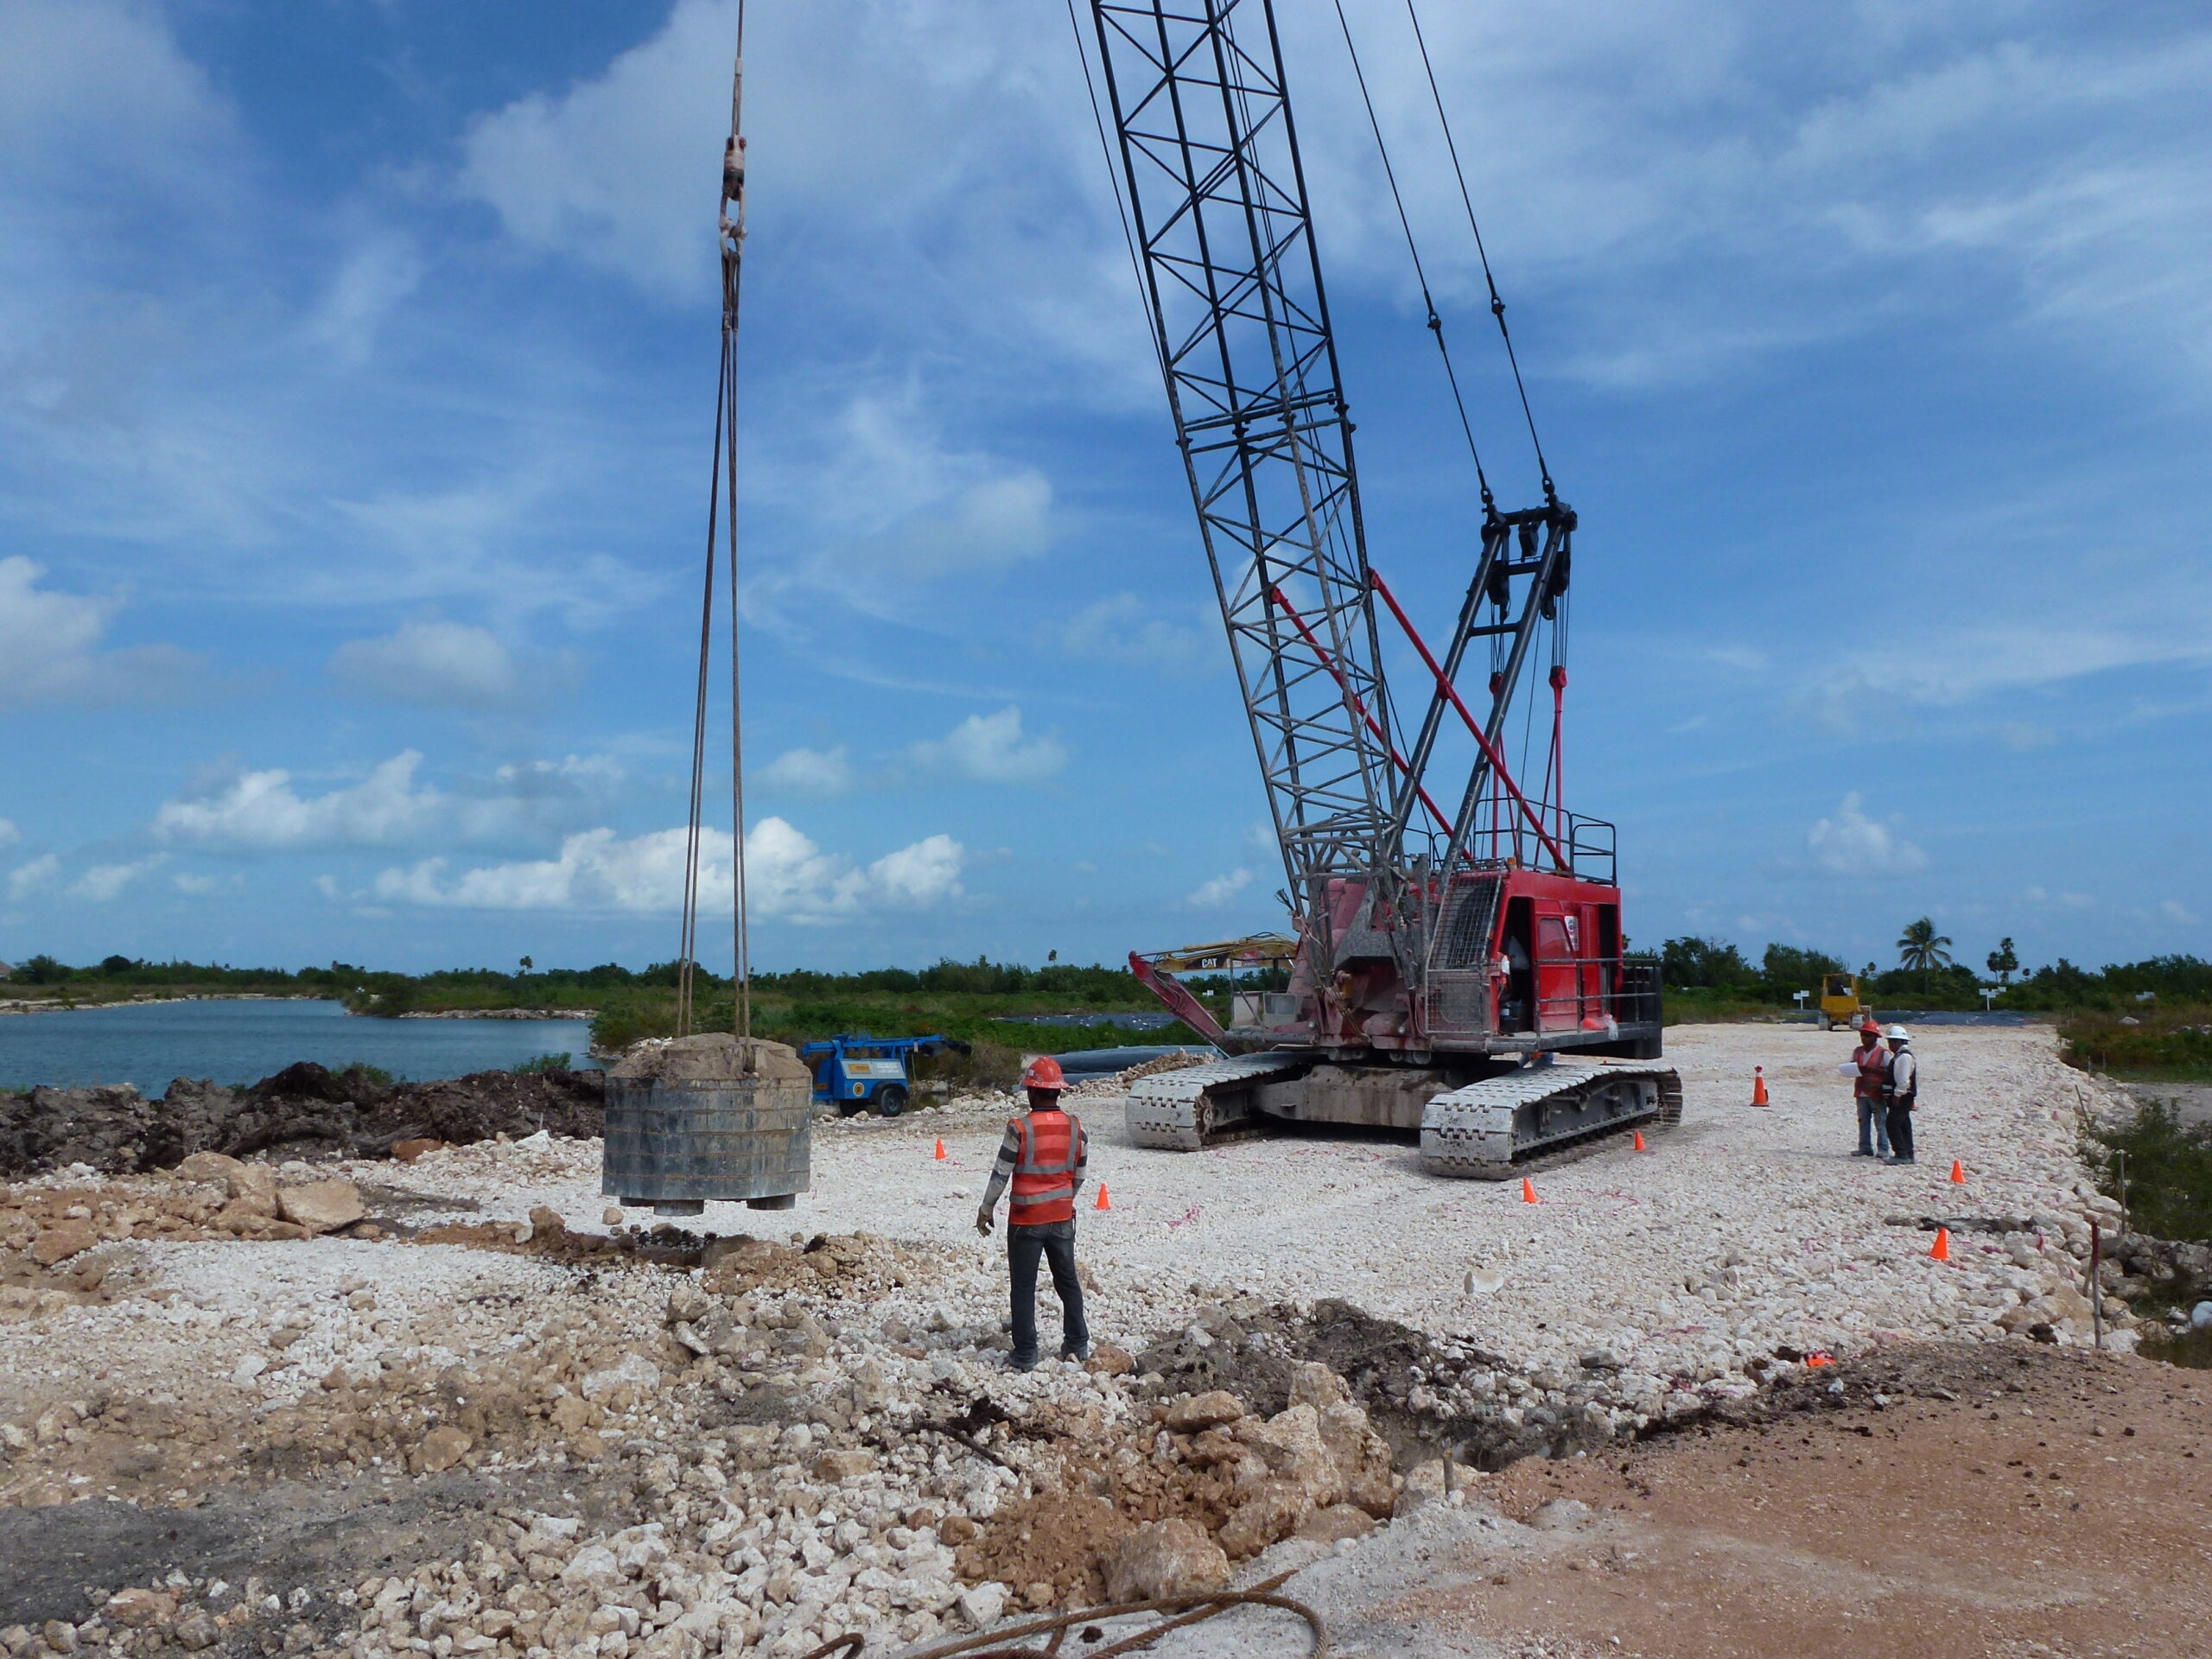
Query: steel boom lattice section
[{"x": 1218, "y": 194}]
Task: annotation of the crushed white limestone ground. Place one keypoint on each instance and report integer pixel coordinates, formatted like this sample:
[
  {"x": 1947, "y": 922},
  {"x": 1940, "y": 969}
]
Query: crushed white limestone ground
[{"x": 809, "y": 1443}]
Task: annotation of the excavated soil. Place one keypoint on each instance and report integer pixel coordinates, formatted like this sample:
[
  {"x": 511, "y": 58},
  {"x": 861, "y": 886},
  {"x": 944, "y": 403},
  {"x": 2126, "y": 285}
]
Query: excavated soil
[
  {"x": 1407, "y": 1381},
  {"x": 305, "y": 1110}
]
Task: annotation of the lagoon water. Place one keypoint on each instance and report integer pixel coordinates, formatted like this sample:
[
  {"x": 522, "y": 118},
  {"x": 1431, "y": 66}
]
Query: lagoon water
[{"x": 148, "y": 1044}]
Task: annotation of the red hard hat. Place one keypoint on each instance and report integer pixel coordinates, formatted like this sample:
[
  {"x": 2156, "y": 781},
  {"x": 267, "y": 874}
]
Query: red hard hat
[{"x": 1044, "y": 1072}]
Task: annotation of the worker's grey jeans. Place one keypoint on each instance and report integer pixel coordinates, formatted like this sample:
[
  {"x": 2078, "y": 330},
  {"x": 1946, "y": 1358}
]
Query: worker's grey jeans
[
  {"x": 1874, "y": 1126},
  {"x": 1055, "y": 1241}
]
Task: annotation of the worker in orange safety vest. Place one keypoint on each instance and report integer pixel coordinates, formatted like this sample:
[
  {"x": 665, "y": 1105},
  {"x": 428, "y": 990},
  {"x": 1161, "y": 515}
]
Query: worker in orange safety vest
[
  {"x": 1044, "y": 1155},
  {"x": 1870, "y": 1087}
]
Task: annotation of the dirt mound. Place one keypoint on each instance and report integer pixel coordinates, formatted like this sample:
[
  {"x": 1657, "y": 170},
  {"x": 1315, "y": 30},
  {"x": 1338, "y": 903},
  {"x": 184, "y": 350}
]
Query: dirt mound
[
  {"x": 841, "y": 1264},
  {"x": 1050, "y": 1550},
  {"x": 1419, "y": 1393},
  {"x": 305, "y": 1110}
]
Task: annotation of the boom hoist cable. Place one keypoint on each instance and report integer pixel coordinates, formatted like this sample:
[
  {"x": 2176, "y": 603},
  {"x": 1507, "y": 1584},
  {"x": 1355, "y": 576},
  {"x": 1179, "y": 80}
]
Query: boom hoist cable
[
  {"x": 722, "y": 531},
  {"x": 1420, "y": 274},
  {"x": 1467, "y": 200}
]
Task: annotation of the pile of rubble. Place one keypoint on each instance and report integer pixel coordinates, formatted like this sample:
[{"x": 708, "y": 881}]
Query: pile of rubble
[
  {"x": 1116, "y": 1085},
  {"x": 304, "y": 1110}
]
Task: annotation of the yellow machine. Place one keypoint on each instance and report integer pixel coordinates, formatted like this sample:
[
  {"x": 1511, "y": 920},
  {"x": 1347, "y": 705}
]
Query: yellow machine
[
  {"x": 1839, "y": 1000},
  {"x": 1262, "y": 950}
]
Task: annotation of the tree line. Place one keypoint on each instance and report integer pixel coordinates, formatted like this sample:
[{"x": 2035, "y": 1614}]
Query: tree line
[
  {"x": 527, "y": 985},
  {"x": 1928, "y": 973}
]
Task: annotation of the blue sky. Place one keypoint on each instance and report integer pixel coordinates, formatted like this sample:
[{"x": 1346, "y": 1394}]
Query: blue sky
[{"x": 356, "y": 367}]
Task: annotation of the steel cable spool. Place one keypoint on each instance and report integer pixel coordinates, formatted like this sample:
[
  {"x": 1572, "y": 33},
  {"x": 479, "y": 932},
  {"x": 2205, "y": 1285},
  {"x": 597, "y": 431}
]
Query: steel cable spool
[{"x": 708, "y": 1119}]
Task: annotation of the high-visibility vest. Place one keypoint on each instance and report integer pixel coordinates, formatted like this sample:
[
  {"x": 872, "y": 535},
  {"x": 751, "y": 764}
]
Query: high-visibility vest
[
  {"x": 1044, "y": 1171},
  {"x": 1902, "y": 1063},
  {"x": 1874, "y": 1072}
]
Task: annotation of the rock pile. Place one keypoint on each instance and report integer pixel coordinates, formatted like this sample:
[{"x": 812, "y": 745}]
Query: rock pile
[
  {"x": 305, "y": 1109},
  {"x": 207, "y": 1195},
  {"x": 1118, "y": 1082}
]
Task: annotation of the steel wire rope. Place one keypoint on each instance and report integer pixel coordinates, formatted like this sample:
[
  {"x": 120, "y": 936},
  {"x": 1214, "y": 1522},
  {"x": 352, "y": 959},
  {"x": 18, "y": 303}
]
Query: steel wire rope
[
  {"x": 1334, "y": 541},
  {"x": 734, "y": 268},
  {"x": 1527, "y": 735},
  {"x": 1496, "y": 304},
  {"x": 688, "y": 948},
  {"x": 1421, "y": 273},
  {"x": 1113, "y": 177},
  {"x": 722, "y": 511}
]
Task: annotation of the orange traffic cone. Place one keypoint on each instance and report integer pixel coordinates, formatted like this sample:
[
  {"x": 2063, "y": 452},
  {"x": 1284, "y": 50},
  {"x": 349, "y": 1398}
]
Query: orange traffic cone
[
  {"x": 1943, "y": 1250},
  {"x": 1103, "y": 1203},
  {"x": 1759, "y": 1086},
  {"x": 939, "y": 1152},
  {"x": 1639, "y": 1141},
  {"x": 1958, "y": 1175},
  {"x": 1528, "y": 1190}
]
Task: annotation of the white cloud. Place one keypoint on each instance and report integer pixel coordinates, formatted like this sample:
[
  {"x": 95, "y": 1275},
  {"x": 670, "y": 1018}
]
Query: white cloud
[
  {"x": 532, "y": 799},
  {"x": 2147, "y": 615},
  {"x": 2174, "y": 911},
  {"x": 260, "y": 810},
  {"x": 1213, "y": 894},
  {"x": 1850, "y": 844},
  {"x": 99, "y": 87},
  {"x": 428, "y": 662},
  {"x": 50, "y": 646},
  {"x": 941, "y": 150},
  {"x": 197, "y": 883},
  {"x": 104, "y": 883},
  {"x": 9, "y": 833},
  {"x": 372, "y": 279},
  {"x": 37, "y": 876},
  {"x": 893, "y": 506},
  {"x": 1122, "y": 628},
  {"x": 808, "y": 772},
  {"x": 529, "y": 801},
  {"x": 611, "y": 170},
  {"x": 787, "y": 877},
  {"x": 991, "y": 749}
]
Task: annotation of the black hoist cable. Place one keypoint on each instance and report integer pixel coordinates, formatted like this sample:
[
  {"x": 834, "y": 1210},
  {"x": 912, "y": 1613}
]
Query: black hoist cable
[
  {"x": 1496, "y": 304},
  {"x": 1435, "y": 323}
]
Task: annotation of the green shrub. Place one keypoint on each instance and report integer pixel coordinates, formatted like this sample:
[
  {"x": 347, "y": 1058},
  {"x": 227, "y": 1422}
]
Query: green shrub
[
  {"x": 2173, "y": 1043},
  {"x": 2169, "y": 1165}
]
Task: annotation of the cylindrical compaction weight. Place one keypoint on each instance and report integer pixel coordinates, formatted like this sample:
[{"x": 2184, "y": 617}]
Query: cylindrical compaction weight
[{"x": 707, "y": 1119}]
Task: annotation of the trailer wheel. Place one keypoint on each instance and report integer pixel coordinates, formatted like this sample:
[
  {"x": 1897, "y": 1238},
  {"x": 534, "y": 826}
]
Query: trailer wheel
[
  {"x": 891, "y": 1102},
  {"x": 851, "y": 1108}
]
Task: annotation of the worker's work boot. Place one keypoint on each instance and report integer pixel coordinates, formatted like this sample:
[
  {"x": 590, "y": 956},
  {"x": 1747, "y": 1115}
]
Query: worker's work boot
[
  {"x": 1081, "y": 1351},
  {"x": 1907, "y": 1159},
  {"x": 1018, "y": 1363}
]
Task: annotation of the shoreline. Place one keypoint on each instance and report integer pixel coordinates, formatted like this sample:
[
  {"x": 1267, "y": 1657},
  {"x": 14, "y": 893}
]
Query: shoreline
[{"x": 59, "y": 1005}]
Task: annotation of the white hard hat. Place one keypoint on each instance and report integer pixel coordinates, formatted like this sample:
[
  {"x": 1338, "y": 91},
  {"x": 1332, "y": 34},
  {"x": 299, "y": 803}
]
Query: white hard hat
[{"x": 1897, "y": 1034}]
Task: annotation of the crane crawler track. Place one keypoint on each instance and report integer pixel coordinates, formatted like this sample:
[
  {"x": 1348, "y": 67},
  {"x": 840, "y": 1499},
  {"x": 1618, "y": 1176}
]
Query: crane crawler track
[
  {"x": 1543, "y": 1116},
  {"x": 1203, "y": 1105}
]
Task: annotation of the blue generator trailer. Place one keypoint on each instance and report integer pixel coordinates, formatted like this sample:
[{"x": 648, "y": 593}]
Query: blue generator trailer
[{"x": 856, "y": 1072}]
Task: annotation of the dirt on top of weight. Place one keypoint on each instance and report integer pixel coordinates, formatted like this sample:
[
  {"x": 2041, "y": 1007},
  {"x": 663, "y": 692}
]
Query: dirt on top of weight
[
  {"x": 716, "y": 1057},
  {"x": 304, "y": 1111}
]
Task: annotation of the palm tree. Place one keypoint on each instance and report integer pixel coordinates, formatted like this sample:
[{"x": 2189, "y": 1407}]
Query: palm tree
[
  {"x": 1920, "y": 946},
  {"x": 2004, "y": 962}
]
